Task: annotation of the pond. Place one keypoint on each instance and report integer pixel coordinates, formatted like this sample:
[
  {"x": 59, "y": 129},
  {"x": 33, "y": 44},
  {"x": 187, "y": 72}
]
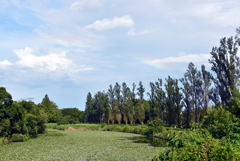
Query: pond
[
  {"x": 80, "y": 146},
  {"x": 153, "y": 141}
]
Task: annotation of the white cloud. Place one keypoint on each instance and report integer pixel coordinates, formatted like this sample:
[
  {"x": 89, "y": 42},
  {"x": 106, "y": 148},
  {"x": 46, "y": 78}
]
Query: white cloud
[
  {"x": 5, "y": 63},
  {"x": 133, "y": 33},
  {"x": 174, "y": 63},
  {"x": 186, "y": 58},
  {"x": 125, "y": 21},
  {"x": 47, "y": 63},
  {"x": 86, "y": 4}
]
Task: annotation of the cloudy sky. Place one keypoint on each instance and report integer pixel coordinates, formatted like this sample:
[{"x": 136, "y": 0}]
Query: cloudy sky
[{"x": 68, "y": 48}]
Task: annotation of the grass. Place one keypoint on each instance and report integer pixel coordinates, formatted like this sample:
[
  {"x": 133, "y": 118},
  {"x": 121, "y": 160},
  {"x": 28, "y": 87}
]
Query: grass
[
  {"x": 76, "y": 126},
  {"x": 79, "y": 145}
]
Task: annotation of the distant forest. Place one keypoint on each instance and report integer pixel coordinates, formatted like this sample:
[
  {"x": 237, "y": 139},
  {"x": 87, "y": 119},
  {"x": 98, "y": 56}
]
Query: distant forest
[{"x": 176, "y": 101}]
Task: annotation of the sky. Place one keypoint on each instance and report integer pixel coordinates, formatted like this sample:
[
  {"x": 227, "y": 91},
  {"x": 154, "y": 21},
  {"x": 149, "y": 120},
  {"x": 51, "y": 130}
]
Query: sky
[{"x": 68, "y": 48}]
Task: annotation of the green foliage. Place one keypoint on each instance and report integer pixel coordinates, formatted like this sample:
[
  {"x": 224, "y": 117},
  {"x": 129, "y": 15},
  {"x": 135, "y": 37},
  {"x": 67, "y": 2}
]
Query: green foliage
[
  {"x": 234, "y": 103},
  {"x": 32, "y": 125},
  {"x": 215, "y": 138},
  {"x": 19, "y": 138},
  {"x": 220, "y": 123},
  {"x": 22, "y": 118},
  {"x": 155, "y": 126},
  {"x": 76, "y": 126},
  {"x": 225, "y": 64},
  {"x": 198, "y": 145},
  {"x": 50, "y": 108},
  {"x": 52, "y": 133},
  {"x": 104, "y": 124},
  {"x": 70, "y": 115},
  {"x": 3, "y": 140}
]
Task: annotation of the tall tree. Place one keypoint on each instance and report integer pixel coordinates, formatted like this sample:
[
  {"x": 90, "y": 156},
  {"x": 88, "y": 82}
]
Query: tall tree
[
  {"x": 132, "y": 105},
  {"x": 152, "y": 100},
  {"x": 187, "y": 94},
  {"x": 237, "y": 35},
  {"x": 160, "y": 98},
  {"x": 169, "y": 87},
  {"x": 141, "y": 90},
  {"x": 178, "y": 101},
  {"x": 226, "y": 66},
  {"x": 51, "y": 108},
  {"x": 140, "y": 109},
  {"x": 206, "y": 77},
  {"x": 194, "y": 77},
  {"x": 126, "y": 102},
  {"x": 112, "y": 104},
  {"x": 88, "y": 107},
  {"x": 117, "y": 93}
]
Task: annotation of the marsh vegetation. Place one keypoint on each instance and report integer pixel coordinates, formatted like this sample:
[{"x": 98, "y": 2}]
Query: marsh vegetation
[{"x": 77, "y": 145}]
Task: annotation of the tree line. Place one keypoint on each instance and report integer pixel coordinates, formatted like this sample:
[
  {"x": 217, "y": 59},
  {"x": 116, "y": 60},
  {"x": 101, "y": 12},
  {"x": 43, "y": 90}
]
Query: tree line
[
  {"x": 24, "y": 119},
  {"x": 177, "y": 101}
]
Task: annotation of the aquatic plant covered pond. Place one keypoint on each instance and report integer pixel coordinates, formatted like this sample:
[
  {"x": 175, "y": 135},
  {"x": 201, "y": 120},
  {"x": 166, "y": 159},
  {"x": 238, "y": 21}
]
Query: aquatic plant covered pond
[{"x": 80, "y": 145}]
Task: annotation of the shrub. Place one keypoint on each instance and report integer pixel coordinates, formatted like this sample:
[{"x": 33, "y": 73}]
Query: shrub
[
  {"x": 202, "y": 142},
  {"x": 104, "y": 124},
  {"x": 220, "y": 123},
  {"x": 3, "y": 140},
  {"x": 131, "y": 130},
  {"x": 19, "y": 138},
  {"x": 139, "y": 130},
  {"x": 126, "y": 128},
  {"x": 118, "y": 129},
  {"x": 155, "y": 126},
  {"x": 145, "y": 131}
]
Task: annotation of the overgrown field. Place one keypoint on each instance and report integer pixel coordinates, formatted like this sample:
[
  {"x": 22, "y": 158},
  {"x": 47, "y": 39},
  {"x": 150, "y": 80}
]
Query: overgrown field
[
  {"x": 80, "y": 145},
  {"x": 76, "y": 126}
]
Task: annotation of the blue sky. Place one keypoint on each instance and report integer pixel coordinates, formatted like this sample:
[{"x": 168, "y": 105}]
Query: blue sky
[{"x": 68, "y": 48}]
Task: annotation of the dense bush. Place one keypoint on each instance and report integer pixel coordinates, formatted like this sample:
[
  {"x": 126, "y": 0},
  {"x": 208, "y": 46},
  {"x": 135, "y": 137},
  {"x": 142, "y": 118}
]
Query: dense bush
[
  {"x": 198, "y": 145},
  {"x": 3, "y": 140},
  {"x": 215, "y": 138},
  {"x": 19, "y": 138},
  {"x": 155, "y": 126}
]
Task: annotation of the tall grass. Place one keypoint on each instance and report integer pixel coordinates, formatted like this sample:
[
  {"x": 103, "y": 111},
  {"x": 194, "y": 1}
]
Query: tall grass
[{"x": 75, "y": 126}]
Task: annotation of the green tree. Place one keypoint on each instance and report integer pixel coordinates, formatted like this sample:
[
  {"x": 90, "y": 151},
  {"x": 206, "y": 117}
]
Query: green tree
[
  {"x": 112, "y": 104},
  {"x": 132, "y": 105},
  {"x": 194, "y": 77},
  {"x": 126, "y": 105},
  {"x": 206, "y": 77},
  {"x": 88, "y": 107},
  {"x": 152, "y": 100},
  {"x": 187, "y": 93},
  {"x": 140, "y": 109},
  {"x": 225, "y": 65},
  {"x": 178, "y": 102},
  {"x": 51, "y": 108},
  {"x": 169, "y": 87},
  {"x": 160, "y": 98},
  {"x": 117, "y": 93},
  {"x": 141, "y": 90}
]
